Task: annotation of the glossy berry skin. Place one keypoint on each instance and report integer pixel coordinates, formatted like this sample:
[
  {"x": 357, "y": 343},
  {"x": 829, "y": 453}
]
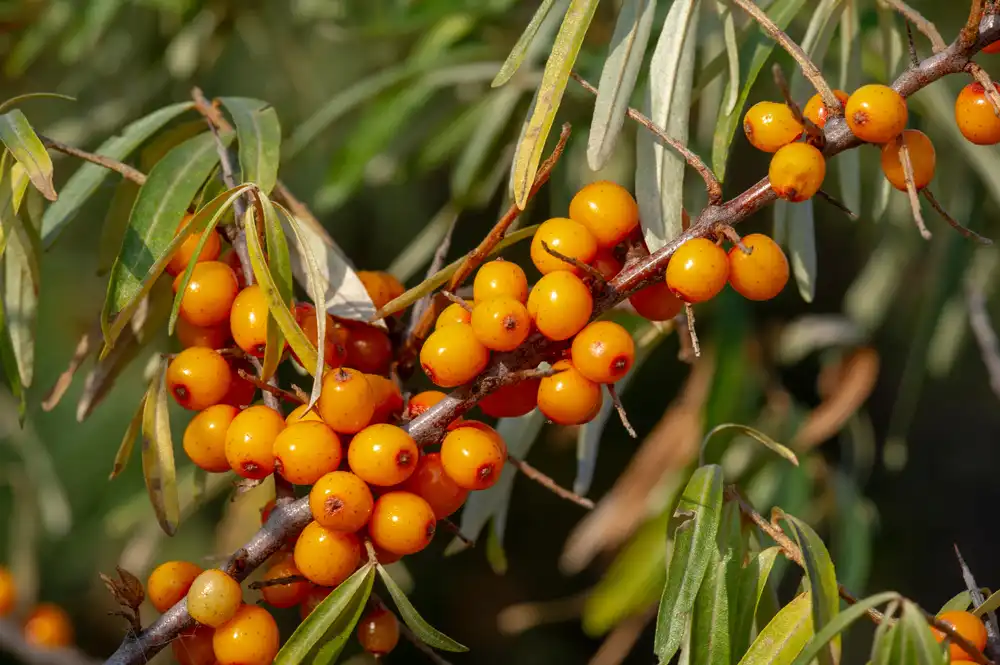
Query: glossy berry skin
[
  {"x": 452, "y": 314},
  {"x": 347, "y": 402},
  {"x": 8, "y": 591},
  {"x": 453, "y": 355},
  {"x": 771, "y": 125},
  {"x": 211, "y": 337},
  {"x": 471, "y": 458},
  {"x": 762, "y": 274},
  {"x": 241, "y": 392},
  {"x": 369, "y": 349},
  {"x": 284, "y": 595},
  {"x": 205, "y": 438},
  {"x": 568, "y": 397},
  {"x": 315, "y": 596},
  {"x": 560, "y": 304},
  {"x": 569, "y": 238},
  {"x": 194, "y": 647},
  {"x": 378, "y": 632},
  {"x": 341, "y": 501},
  {"x": 698, "y": 270},
  {"x": 816, "y": 110},
  {"x": 402, "y": 523},
  {"x": 656, "y": 302},
  {"x": 423, "y": 401},
  {"x": 382, "y": 287},
  {"x": 796, "y": 172},
  {"x": 876, "y": 113},
  {"x": 251, "y": 637},
  {"x": 169, "y": 582},
  {"x": 500, "y": 278},
  {"x": 214, "y": 598},
  {"x": 436, "y": 487},
  {"x": 922, "y": 158},
  {"x": 198, "y": 378},
  {"x": 486, "y": 429},
  {"x": 974, "y": 115},
  {"x": 183, "y": 254},
  {"x": 511, "y": 401},
  {"x": 388, "y": 399},
  {"x": 382, "y": 455},
  {"x": 209, "y": 294},
  {"x": 603, "y": 352},
  {"x": 606, "y": 264},
  {"x": 334, "y": 352},
  {"x": 501, "y": 324},
  {"x": 607, "y": 210},
  {"x": 250, "y": 441},
  {"x": 248, "y": 321},
  {"x": 306, "y": 451},
  {"x": 968, "y": 626},
  {"x": 300, "y": 414},
  {"x": 326, "y": 557},
  {"x": 48, "y": 627}
]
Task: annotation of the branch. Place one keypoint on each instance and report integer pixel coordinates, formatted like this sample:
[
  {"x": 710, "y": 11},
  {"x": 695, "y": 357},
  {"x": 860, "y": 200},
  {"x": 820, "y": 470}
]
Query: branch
[
  {"x": 968, "y": 233},
  {"x": 126, "y": 171},
  {"x": 548, "y": 483},
  {"x": 12, "y": 642},
  {"x": 286, "y": 395},
  {"x": 926, "y": 27},
  {"x": 970, "y": 32}
]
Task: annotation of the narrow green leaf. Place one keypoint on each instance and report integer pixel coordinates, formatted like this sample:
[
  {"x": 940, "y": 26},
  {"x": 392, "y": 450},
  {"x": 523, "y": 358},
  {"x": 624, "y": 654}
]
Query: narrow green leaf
[
  {"x": 770, "y": 443},
  {"x": 20, "y": 302},
  {"x": 424, "y": 632},
  {"x": 710, "y": 620},
  {"x": 989, "y": 605},
  {"x": 782, "y": 639},
  {"x": 8, "y": 362},
  {"x": 158, "y": 453},
  {"x": 259, "y": 135},
  {"x": 124, "y": 453},
  {"x": 820, "y": 641},
  {"x": 752, "y": 582},
  {"x": 115, "y": 223},
  {"x": 495, "y": 554},
  {"x": 884, "y": 642},
  {"x": 852, "y": 530},
  {"x": 520, "y": 49},
  {"x": 279, "y": 267},
  {"x": 13, "y": 101},
  {"x": 725, "y": 10},
  {"x": 802, "y": 247},
  {"x": 959, "y": 603},
  {"x": 19, "y": 137},
  {"x": 917, "y": 643}
]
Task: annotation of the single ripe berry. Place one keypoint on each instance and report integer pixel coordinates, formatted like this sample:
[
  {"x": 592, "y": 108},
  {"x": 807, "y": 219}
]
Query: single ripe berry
[
  {"x": 169, "y": 582},
  {"x": 209, "y": 295},
  {"x": 326, "y": 557},
  {"x": 603, "y": 352},
  {"x": 205, "y": 438},
  {"x": 568, "y": 397},
  {"x": 382, "y": 455},
  {"x": 300, "y": 414},
  {"x": 607, "y": 210},
  {"x": 500, "y": 278},
  {"x": 211, "y": 337},
  {"x": 501, "y": 324},
  {"x": 250, "y": 441},
  {"x": 388, "y": 399},
  {"x": 305, "y": 451},
  {"x": 656, "y": 302},
  {"x": 334, "y": 352},
  {"x": 488, "y": 431},
  {"x": 472, "y": 458},
  {"x": 315, "y": 596},
  {"x": 214, "y": 598},
  {"x": 183, "y": 254},
  {"x": 797, "y": 171},
  {"x": 251, "y": 637},
  {"x": 194, "y": 647},
  {"x": 378, "y": 632},
  {"x": 347, "y": 402},
  {"x": 817, "y": 111},
  {"x": 698, "y": 270},
  {"x": 569, "y": 238},
  {"x": 876, "y": 113},
  {"x": 762, "y": 274},
  {"x": 284, "y": 595},
  {"x": 48, "y": 627},
  {"x": 560, "y": 304},
  {"x": 8, "y": 591},
  {"x": 922, "y": 158},
  {"x": 423, "y": 401},
  {"x": 341, "y": 501},
  {"x": 975, "y": 117},
  {"x": 967, "y": 625},
  {"x": 511, "y": 401},
  {"x": 606, "y": 264},
  {"x": 452, "y": 314},
  {"x": 433, "y": 485},
  {"x": 248, "y": 321},
  {"x": 198, "y": 378},
  {"x": 369, "y": 349},
  {"x": 402, "y": 523},
  {"x": 453, "y": 355},
  {"x": 770, "y": 125},
  {"x": 381, "y": 287},
  {"x": 241, "y": 391},
  {"x": 992, "y": 48}
]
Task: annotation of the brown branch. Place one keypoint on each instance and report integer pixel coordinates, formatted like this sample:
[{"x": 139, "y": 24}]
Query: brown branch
[
  {"x": 286, "y": 395},
  {"x": 911, "y": 44},
  {"x": 970, "y": 31},
  {"x": 911, "y": 188},
  {"x": 786, "y": 92},
  {"x": 968, "y": 233},
  {"x": 734, "y": 238},
  {"x": 692, "y": 333},
  {"x": 458, "y": 300},
  {"x": 586, "y": 268},
  {"x": 548, "y": 483},
  {"x": 989, "y": 89},
  {"x": 277, "y": 581},
  {"x": 126, "y": 171},
  {"x": 926, "y": 27},
  {"x": 616, "y": 400}
]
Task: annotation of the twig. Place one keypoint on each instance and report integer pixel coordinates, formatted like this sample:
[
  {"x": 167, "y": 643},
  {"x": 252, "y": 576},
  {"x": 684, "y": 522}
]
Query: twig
[
  {"x": 277, "y": 581},
  {"x": 588, "y": 269},
  {"x": 976, "y": 594},
  {"x": 911, "y": 188},
  {"x": 126, "y": 171},
  {"x": 286, "y": 395},
  {"x": 968, "y": 233},
  {"x": 616, "y": 400},
  {"x": 970, "y": 31},
  {"x": 989, "y": 89},
  {"x": 456, "y": 531},
  {"x": 911, "y": 44},
  {"x": 734, "y": 238},
  {"x": 836, "y": 203},
  {"x": 786, "y": 92},
  {"x": 461, "y": 302},
  {"x": 986, "y": 337},
  {"x": 418, "y": 309},
  {"x": 692, "y": 333},
  {"x": 928, "y": 29},
  {"x": 12, "y": 642},
  {"x": 547, "y": 482}
]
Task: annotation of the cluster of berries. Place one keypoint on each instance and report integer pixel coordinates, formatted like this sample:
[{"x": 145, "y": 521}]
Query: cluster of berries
[
  {"x": 969, "y": 626},
  {"x": 47, "y": 626}
]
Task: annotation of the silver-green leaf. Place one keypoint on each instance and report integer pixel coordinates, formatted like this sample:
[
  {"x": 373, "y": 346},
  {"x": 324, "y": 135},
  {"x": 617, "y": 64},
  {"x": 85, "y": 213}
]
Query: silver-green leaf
[
  {"x": 259, "y": 135},
  {"x": 158, "y": 454},
  {"x": 423, "y": 631}
]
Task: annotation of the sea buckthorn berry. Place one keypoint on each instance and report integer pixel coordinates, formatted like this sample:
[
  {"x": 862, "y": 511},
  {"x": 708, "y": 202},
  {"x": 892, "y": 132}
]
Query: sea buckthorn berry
[
  {"x": 770, "y": 125},
  {"x": 560, "y": 304},
  {"x": 251, "y": 637},
  {"x": 347, "y": 402},
  {"x": 194, "y": 647},
  {"x": 334, "y": 352},
  {"x": 606, "y": 264},
  {"x": 402, "y": 523},
  {"x": 300, "y": 414},
  {"x": 500, "y": 278},
  {"x": 452, "y": 314},
  {"x": 341, "y": 501},
  {"x": 241, "y": 392},
  {"x": 698, "y": 270},
  {"x": 250, "y": 441},
  {"x": 214, "y": 598},
  {"x": 486, "y": 429},
  {"x": 326, "y": 557},
  {"x": 569, "y": 238},
  {"x": 423, "y": 401},
  {"x": 992, "y": 48},
  {"x": 607, "y": 210},
  {"x": 248, "y": 321},
  {"x": 198, "y": 378},
  {"x": 975, "y": 117},
  {"x": 306, "y": 451},
  {"x": 209, "y": 295},
  {"x": 501, "y": 324},
  {"x": 922, "y": 158},
  {"x": 8, "y": 591},
  {"x": 796, "y": 172},
  {"x": 816, "y": 110},
  {"x": 967, "y": 625},
  {"x": 568, "y": 397},
  {"x": 433, "y": 485},
  {"x": 382, "y": 455},
  {"x": 284, "y": 595},
  {"x": 472, "y": 458},
  {"x": 656, "y": 302},
  {"x": 315, "y": 596},
  {"x": 183, "y": 254},
  {"x": 378, "y": 632},
  {"x": 48, "y": 627},
  {"x": 169, "y": 582},
  {"x": 512, "y": 400},
  {"x": 205, "y": 438},
  {"x": 453, "y": 355},
  {"x": 388, "y": 399},
  {"x": 381, "y": 287},
  {"x": 876, "y": 113},
  {"x": 211, "y": 337},
  {"x": 603, "y": 352},
  {"x": 369, "y": 349},
  {"x": 762, "y": 274}
]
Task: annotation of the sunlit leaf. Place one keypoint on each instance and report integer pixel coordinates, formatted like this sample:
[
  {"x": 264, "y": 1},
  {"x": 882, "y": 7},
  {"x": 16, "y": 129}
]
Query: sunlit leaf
[
  {"x": 820, "y": 641},
  {"x": 259, "y": 135},
  {"x": 770, "y": 443},
  {"x": 991, "y": 604},
  {"x": 423, "y": 631},
  {"x": 124, "y": 453},
  {"x": 520, "y": 49},
  {"x": 752, "y": 582},
  {"x": 884, "y": 642},
  {"x": 20, "y": 298},
  {"x": 781, "y": 640},
  {"x": 19, "y": 137},
  {"x": 17, "y": 99},
  {"x": 916, "y": 642},
  {"x": 849, "y": 162},
  {"x": 158, "y": 454},
  {"x": 280, "y": 268},
  {"x": 959, "y": 603},
  {"x": 710, "y": 619}
]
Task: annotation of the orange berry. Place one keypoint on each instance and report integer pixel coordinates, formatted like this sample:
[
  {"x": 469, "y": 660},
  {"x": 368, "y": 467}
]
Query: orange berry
[
  {"x": 341, "y": 501},
  {"x": 992, "y": 48},
  {"x": 568, "y": 397},
  {"x": 198, "y": 378},
  {"x": 967, "y": 625},
  {"x": 512, "y": 400},
  {"x": 471, "y": 458},
  {"x": 388, "y": 399},
  {"x": 381, "y": 287},
  {"x": 241, "y": 392},
  {"x": 501, "y": 324},
  {"x": 817, "y": 111},
  {"x": 402, "y": 523},
  {"x": 194, "y": 647},
  {"x": 183, "y": 254},
  {"x": 326, "y": 557},
  {"x": 569, "y": 238},
  {"x": 248, "y": 321},
  {"x": 48, "y": 627},
  {"x": 306, "y": 451},
  {"x": 251, "y": 637},
  {"x": 250, "y": 441},
  {"x": 214, "y": 598},
  {"x": 762, "y": 274},
  {"x": 560, "y": 304},
  {"x": 770, "y": 125},
  {"x": 606, "y": 264},
  {"x": 433, "y": 485},
  {"x": 607, "y": 210},
  {"x": 698, "y": 270},
  {"x": 369, "y": 349},
  {"x": 209, "y": 295},
  {"x": 315, "y": 596},
  {"x": 796, "y": 172},
  {"x": 423, "y": 401},
  {"x": 500, "y": 278},
  {"x": 876, "y": 113},
  {"x": 486, "y": 429},
  {"x": 334, "y": 351},
  {"x": 603, "y": 352},
  {"x": 299, "y": 414},
  {"x": 378, "y": 631},
  {"x": 452, "y": 314},
  {"x": 211, "y": 337},
  {"x": 922, "y": 158},
  {"x": 169, "y": 582},
  {"x": 347, "y": 402},
  {"x": 656, "y": 302},
  {"x": 974, "y": 115},
  {"x": 205, "y": 438},
  {"x": 8, "y": 591},
  {"x": 284, "y": 595},
  {"x": 382, "y": 455},
  {"x": 453, "y": 355}
]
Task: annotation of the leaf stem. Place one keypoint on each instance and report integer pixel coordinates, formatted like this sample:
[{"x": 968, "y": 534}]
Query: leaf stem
[{"x": 123, "y": 169}]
